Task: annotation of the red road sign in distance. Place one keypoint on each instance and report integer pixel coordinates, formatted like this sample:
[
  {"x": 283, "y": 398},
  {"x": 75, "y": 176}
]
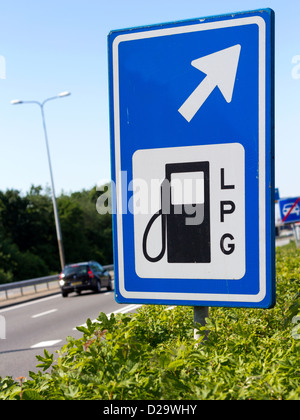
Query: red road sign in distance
[{"x": 291, "y": 209}]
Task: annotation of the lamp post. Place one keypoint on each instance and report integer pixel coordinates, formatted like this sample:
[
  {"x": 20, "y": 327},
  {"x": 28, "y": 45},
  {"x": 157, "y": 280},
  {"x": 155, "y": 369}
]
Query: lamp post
[{"x": 56, "y": 217}]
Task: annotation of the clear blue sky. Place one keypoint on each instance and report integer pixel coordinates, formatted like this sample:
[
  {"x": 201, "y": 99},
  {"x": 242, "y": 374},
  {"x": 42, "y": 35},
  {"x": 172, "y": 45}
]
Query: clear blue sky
[{"x": 52, "y": 46}]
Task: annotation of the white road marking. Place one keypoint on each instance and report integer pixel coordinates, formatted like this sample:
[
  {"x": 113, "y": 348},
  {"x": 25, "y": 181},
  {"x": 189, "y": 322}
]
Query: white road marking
[
  {"x": 45, "y": 344},
  {"x": 44, "y": 313},
  {"x": 125, "y": 310},
  {"x": 22, "y": 305}
]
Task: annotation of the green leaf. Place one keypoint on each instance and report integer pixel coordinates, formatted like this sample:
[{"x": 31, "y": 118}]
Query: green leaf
[
  {"x": 29, "y": 394},
  {"x": 83, "y": 330}
]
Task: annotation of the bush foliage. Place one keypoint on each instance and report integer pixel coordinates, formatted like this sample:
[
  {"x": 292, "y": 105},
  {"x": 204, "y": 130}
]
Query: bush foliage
[{"x": 249, "y": 353}]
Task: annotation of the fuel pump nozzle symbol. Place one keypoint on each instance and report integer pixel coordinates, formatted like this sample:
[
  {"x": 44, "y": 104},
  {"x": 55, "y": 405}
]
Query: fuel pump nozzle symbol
[{"x": 185, "y": 215}]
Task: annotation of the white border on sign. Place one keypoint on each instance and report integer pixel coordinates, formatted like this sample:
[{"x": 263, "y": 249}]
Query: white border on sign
[{"x": 259, "y": 21}]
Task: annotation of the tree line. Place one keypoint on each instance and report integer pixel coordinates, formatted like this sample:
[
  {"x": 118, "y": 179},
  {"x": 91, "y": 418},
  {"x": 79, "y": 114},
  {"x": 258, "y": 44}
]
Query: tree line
[{"x": 28, "y": 242}]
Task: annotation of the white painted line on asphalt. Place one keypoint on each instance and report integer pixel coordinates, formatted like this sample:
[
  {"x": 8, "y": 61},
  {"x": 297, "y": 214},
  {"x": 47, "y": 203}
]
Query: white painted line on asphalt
[
  {"x": 45, "y": 344},
  {"x": 127, "y": 308},
  {"x": 22, "y": 305},
  {"x": 44, "y": 313}
]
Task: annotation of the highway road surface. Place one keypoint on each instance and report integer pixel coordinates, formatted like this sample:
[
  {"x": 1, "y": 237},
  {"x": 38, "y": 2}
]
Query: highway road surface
[{"x": 45, "y": 323}]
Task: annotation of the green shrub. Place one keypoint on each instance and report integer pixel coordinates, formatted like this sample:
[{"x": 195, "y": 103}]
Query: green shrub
[
  {"x": 5, "y": 277},
  {"x": 249, "y": 353}
]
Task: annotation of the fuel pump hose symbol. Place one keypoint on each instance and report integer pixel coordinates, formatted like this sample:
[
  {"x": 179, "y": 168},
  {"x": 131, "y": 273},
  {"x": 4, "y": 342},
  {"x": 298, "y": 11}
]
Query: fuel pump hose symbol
[
  {"x": 163, "y": 233},
  {"x": 185, "y": 226}
]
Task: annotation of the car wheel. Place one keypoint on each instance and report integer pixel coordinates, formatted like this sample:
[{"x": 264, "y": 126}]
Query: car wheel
[
  {"x": 98, "y": 286},
  {"x": 64, "y": 294},
  {"x": 109, "y": 286}
]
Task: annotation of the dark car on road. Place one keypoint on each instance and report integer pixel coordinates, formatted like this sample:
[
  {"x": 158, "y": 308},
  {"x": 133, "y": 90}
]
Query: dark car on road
[{"x": 84, "y": 276}]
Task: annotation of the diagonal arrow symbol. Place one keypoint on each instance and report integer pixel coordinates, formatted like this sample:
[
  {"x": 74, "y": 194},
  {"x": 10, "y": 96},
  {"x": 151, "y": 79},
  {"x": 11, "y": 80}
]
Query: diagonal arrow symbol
[{"x": 220, "y": 69}]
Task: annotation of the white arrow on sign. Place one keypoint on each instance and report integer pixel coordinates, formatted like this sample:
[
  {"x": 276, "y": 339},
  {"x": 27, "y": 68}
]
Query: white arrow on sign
[{"x": 220, "y": 69}]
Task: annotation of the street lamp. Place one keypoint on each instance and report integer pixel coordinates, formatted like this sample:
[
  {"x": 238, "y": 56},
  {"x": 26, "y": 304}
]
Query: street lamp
[{"x": 56, "y": 217}]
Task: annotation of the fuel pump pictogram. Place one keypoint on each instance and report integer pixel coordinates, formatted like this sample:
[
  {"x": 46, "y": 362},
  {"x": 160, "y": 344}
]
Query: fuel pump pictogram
[{"x": 185, "y": 214}]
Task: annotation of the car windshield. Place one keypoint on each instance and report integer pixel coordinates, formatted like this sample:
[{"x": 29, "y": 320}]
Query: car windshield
[{"x": 75, "y": 269}]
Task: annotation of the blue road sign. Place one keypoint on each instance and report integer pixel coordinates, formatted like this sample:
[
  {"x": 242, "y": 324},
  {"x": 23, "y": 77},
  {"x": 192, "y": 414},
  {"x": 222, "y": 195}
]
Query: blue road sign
[
  {"x": 290, "y": 210},
  {"x": 191, "y": 107}
]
